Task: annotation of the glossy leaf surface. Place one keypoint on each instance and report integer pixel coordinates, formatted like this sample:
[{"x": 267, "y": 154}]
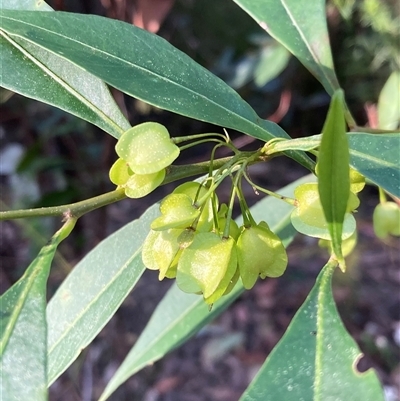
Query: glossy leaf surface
[
  {"x": 180, "y": 315},
  {"x": 316, "y": 358},
  {"x": 90, "y": 295},
  {"x": 41, "y": 75},
  {"x": 23, "y": 336},
  {"x": 149, "y": 68},
  {"x": 334, "y": 172},
  {"x": 300, "y": 25},
  {"x": 377, "y": 157}
]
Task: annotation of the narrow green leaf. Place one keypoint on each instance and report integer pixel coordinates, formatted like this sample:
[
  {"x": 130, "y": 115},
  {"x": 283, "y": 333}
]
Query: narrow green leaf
[
  {"x": 38, "y": 74},
  {"x": 179, "y": 315},
  {"x": 334, "y": 173},
  {"x": 23, "y": 329},
  {"x": 300, "y": 25},
  {"x": 316, "y": 358},
  {"x": 377, "y": 157},
  {"x": 90, "y": 295},
  {"x": 273, "y": 60},
  {"x": 142, "y": 65},
  {"x": 389, "y": 103},
  {"x": 305, "y": 144}
]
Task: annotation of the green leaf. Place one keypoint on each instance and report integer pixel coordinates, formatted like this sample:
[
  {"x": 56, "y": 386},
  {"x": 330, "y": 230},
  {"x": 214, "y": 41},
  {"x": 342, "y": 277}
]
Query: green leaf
[
  {"x": 53, "y": 80},
  {"x": 389, "y": 103},
  {"x": 90, "y": 295},
  {"x": 142, "y": 65},
  {"x": 377, "y": 157},
  {"x": 179, "y": 315},
  {"x": 334, "y": 173},
  {"x": 38, "y": 5},
  {"x": 305, "y": 144},
  {"x": 300, "y": 25},
  {"x": 316, "y": 358},
  {"x": 23, "y": 338},
  {"x": 273, "y": 60}
]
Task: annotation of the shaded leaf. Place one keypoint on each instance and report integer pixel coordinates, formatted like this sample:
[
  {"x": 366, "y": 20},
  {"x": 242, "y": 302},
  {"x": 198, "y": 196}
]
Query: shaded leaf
[
  {"x": 273, "y": 60},
  {"x": 38, "y": 74},
  {"x": 149, "y": 68},
  {"x": 180, "y": 315},
  {"x": 38, "y": 5},
  {"x": 93, "y": 291},
  {"x": 23, "y": 332},
  {"x": 334, "y": 173},
  {"x": 300, "y": 25},
  {"x": 389, "y": 103},
  {"x": 377, "y": 157},
  {"x": 316, "y": 358}
]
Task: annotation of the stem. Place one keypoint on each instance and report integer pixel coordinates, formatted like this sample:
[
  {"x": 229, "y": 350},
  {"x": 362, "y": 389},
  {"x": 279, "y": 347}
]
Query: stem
[
  {"x": 190, "y": 145},
  {"x": 248, "y": 219},
  {"x": 187, "y": 138},
  {"x": 382, "y": 195},
  {"x": 78, "y": 209},
  {"x": 174, "y": 173},
  {"x": 349, "y": 118},
  {"x": 230, "y": 207},
  {"x": 290, "y": 201}
]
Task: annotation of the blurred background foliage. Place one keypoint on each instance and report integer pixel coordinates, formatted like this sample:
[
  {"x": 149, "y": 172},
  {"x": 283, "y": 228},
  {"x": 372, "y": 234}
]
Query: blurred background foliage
[{"x": 49, "y": 157}]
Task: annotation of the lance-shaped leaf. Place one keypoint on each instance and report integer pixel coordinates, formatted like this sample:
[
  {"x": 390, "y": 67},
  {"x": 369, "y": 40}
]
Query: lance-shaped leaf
[
  {"x": 143, "y": 65},
  {"x": 389, "y": 103},
  {"x": 377, "y": 157},
  {"x": 316, "y": 359},
  {"x": 93, "y": 291},
  {"x": 38, "y": 74},
  {"x": 300, "y": 25},
  {"x": 180, "y": 315},
  {"x": 23, "y": 330},
  {"x": 334, "y": 173}
]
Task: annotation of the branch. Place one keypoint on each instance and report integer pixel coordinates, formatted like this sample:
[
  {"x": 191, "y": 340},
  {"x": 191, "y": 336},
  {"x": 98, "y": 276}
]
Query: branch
[{"x": 78, "y": 209}]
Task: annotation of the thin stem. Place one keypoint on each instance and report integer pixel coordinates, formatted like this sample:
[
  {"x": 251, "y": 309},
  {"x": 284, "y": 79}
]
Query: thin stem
[
  {"x": 215, "y": 211},
  {"x": 230, "y": 208},
  {"x": 174, "y": 173},
  {"x": 290, "y": 201},
  {"x": 382, "y": 195},
  {"x": 192, "y": 144},
  {"x": 248, "y": 219},
  {"x": 77, "y": 209},
  {"x": 187, "y": 138}
]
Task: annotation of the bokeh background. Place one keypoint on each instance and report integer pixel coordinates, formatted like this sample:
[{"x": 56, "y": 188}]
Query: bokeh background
[{"x": 50, "y": 158}]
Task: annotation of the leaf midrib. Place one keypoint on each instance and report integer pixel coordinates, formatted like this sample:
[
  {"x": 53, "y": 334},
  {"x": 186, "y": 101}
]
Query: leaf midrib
[
  {"x": 72, "y": 325},
  {"x": 60, "y": 80},
  {"x": 374, "y": 159},
  {"x": 130, "y": 64}
]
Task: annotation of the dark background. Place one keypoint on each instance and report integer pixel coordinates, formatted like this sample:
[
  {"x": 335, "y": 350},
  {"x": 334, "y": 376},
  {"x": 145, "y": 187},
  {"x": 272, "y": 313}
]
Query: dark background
[{"x": 51, "y": 158}]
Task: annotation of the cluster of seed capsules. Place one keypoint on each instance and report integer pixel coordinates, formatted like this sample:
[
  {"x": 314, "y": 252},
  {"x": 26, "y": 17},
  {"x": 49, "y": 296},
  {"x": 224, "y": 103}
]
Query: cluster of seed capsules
[
  {"x": 206, "y": 251},
  {"x": 194, "y": 240}
]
